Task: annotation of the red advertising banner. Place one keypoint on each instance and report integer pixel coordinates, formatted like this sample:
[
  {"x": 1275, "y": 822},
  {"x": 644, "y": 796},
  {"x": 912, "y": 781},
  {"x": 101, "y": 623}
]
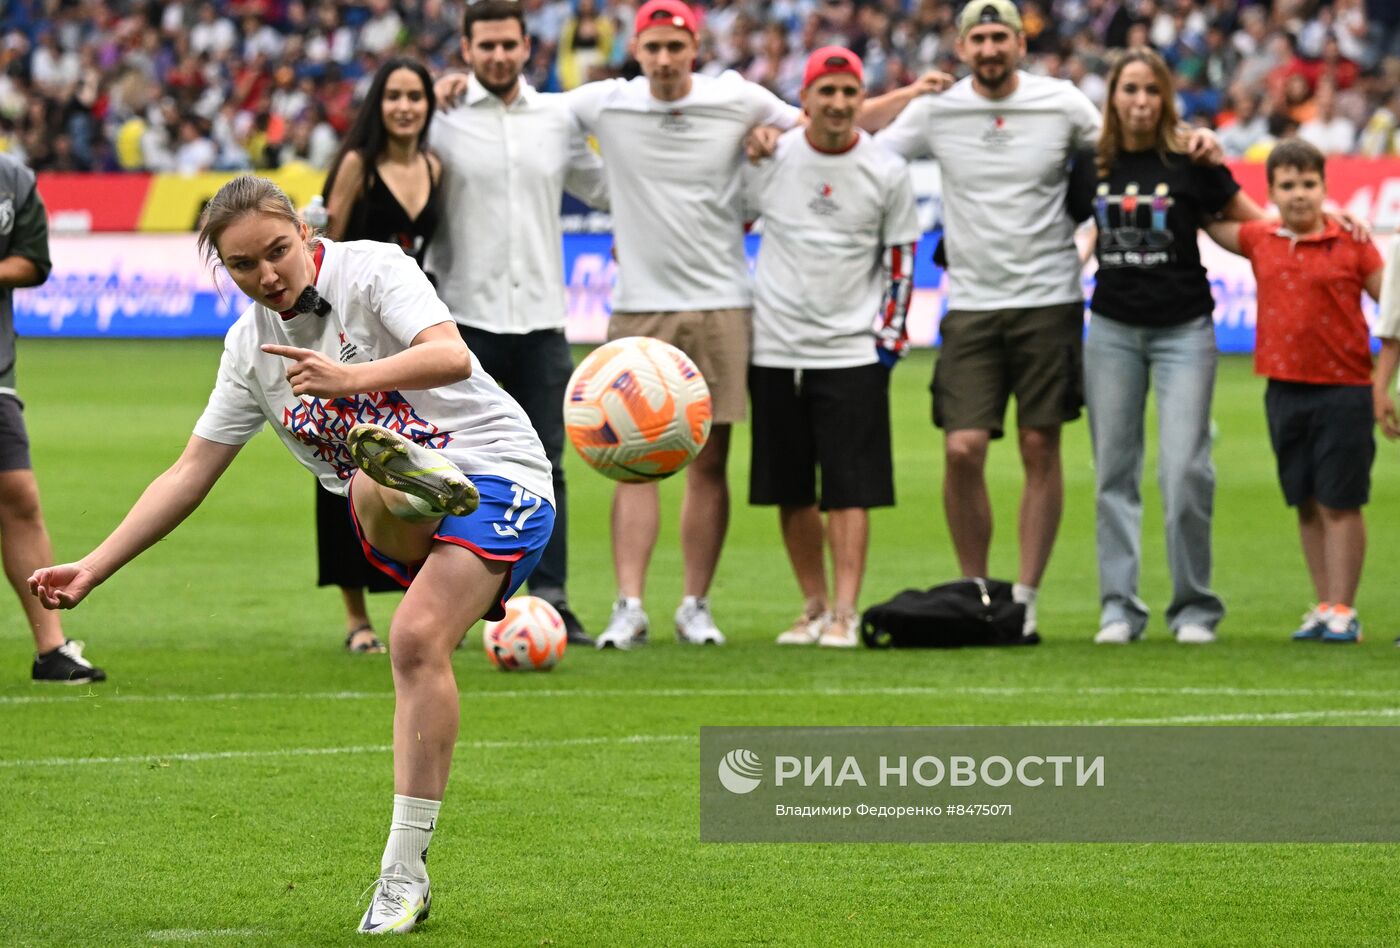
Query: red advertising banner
[{"x": 82, "y": 203}]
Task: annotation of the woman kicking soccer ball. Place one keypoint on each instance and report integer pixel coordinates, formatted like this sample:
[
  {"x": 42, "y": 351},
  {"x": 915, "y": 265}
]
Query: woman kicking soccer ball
[{"x": 356, "y": 364}]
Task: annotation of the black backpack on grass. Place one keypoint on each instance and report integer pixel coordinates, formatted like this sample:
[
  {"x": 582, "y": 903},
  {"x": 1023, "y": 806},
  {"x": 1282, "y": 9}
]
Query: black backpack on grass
[{"x": 963, "y": 612}]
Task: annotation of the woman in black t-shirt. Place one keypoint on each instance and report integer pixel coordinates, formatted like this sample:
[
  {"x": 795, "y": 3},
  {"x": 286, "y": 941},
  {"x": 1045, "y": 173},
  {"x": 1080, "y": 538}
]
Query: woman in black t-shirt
[
  {"x": 383, "y": 185},
  {"x": 1152, "y": 325}
]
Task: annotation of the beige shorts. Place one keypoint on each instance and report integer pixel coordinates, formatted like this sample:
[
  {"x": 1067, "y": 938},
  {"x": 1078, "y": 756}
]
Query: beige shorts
[{"x": 717, "y": 339}]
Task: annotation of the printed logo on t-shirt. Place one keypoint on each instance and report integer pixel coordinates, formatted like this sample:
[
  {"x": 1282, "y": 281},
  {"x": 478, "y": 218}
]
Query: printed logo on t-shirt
[
  {"x": 1133, "y": 227},
  {"x": 348, "y": 350},
  {"x": 7, "y": 216},
  {"x": 675, "y": 121},
  {"x": 822, "y": 203},
  {"x": 323, "y": 424},
  {"x": 996, "y": 135}
]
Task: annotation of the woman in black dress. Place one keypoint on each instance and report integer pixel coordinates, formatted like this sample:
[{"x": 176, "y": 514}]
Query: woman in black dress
[{"x": 383, "y": 185}]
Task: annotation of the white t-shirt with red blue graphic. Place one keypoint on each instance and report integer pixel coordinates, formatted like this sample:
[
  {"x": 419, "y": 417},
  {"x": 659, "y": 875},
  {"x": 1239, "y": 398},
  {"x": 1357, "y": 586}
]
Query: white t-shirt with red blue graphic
[
  {"x": 380, "y": 301},
  {"x": 827, "y": 219}
]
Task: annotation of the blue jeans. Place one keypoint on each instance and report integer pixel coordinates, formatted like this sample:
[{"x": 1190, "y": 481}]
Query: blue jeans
[{"x": 1120, "y": 361}]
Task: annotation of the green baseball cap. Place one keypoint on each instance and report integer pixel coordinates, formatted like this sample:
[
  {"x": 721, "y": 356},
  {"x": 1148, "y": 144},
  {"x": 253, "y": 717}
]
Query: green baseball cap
[{"x": 979, "y": 12}]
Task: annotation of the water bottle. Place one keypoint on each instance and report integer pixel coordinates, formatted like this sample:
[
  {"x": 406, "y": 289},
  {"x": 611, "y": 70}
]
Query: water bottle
[{"x": 315, "y": 214}]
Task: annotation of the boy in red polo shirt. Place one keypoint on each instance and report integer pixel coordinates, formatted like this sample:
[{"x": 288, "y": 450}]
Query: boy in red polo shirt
[{"x": 1313, "y": 345}]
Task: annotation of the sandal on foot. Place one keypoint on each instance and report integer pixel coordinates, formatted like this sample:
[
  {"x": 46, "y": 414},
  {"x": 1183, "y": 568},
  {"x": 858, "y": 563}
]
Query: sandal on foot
[{"x": 368, "y": 646}]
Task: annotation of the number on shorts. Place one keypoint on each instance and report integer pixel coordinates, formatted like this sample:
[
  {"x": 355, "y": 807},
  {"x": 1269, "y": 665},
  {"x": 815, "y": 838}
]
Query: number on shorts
[{"x": 525, "y": 504}]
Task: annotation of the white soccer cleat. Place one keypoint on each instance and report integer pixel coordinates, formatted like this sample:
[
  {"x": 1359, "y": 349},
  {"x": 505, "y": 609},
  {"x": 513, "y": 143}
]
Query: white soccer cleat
[
  {"x": 402, "y": 464},
  {"x": 1193, "y": 633},
  {"x": 841, "y": 632},
  {"x": 1117, "y": 632},
  {"x": 399, "y": 903},
  {"x": 806, "y": 629},
  {"x": 627, "y": 628},
  {"x": 695, "y": 625}
]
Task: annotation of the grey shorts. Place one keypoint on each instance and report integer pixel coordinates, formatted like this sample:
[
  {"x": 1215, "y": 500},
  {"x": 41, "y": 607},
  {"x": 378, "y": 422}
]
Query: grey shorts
[
  {"x": 14, "y": 439},
  {"x": 1035, "y": 354}
]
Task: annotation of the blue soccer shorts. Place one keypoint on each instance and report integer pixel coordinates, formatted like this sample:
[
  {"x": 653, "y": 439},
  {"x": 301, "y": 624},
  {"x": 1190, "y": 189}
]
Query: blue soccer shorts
[{"x": 510, "y": 524}]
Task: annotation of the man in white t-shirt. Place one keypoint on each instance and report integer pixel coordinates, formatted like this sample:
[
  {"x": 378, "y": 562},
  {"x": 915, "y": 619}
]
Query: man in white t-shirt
[
  {"x": 1003, "y": 139},
  {"x": 508, "y": 154},
  {"x": 674, "y": 146},
  {"x": 839, "y": 228}
]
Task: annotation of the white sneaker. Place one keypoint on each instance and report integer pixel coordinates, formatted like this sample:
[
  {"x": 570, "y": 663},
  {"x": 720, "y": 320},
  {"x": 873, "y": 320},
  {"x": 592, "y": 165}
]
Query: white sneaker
[
  {"x": 806, "y": 629},
  {"x": 627, "y": 627},
  {"x": 1193, "y": 633},
  {"x": 404, "y": 465},
  {"x": 1115, "y": 633},
  {"x": 399, "y": 903},
  {"x": 695, "y": 625},
  {"x": 840, "y": 632}
]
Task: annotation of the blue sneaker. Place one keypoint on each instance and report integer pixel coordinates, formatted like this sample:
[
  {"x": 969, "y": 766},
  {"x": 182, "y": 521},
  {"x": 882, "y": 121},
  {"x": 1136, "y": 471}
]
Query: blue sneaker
[
  {"x": 1336, "y": 632},
  {"x": 1313, "y": 624}
]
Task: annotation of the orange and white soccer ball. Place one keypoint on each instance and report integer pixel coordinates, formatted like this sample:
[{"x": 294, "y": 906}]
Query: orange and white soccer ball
[
  {"x": 637, "y": 409},
  {"x": 531, "y": 637}
]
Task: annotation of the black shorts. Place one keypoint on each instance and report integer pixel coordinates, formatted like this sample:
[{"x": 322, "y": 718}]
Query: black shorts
[
  {"x": 1324, "y": 440},
  {"x": 837, "y": 420},
  {"x": 14, "y": 439},
  {"x": 985, "y": 357}
]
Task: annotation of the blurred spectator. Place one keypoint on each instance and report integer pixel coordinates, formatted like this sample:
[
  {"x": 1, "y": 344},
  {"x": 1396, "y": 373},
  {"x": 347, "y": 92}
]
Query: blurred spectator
[
  {"x": 585, "y": 44},
  {"x": 196, "y": 152},
  {"x": 1246, "y": 127},
  {"x": 1379, "y": 137},
  {"x": 1331, "y": 133}
]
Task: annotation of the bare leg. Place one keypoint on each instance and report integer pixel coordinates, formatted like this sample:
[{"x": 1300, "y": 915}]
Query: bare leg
[
  {"x": 965, "y": 501},
  {"x": 802, "y": 535},
  {"x": 356, "y": 613},
  {"x": 454, "y": 589},
  {"x": 705, "y": 512},
  {"x": 1311, "y": 534},
  {"x": 25, "y": 547},
  {"x": 1344, "y": 544},
  {"x": 850, "y": 538},
  {"x": 1042, "y": 501},
  {"x": 636, "y": 521}
]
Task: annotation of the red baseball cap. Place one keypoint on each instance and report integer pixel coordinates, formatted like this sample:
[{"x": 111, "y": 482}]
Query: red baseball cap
[
  {"x": 825, "y": 61},
  {"x": 665, "y": 13}
]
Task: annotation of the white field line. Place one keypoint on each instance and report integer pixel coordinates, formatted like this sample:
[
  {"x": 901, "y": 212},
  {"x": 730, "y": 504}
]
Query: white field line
[
  {"x": 890, "y": 691},
  {"x": 159, "y": 759},
  {"x": 199, "y": 934}
]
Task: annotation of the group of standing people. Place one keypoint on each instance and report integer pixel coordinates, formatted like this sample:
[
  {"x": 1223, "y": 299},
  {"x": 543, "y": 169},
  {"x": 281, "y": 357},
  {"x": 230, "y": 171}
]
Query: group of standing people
[{"x": 432, "y": 416}]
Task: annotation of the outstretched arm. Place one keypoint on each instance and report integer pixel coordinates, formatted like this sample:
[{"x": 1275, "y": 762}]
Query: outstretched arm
[
  {"x": 169, "y": 499},
  {"x": 1226, "y": 234},
  {"x": 880, "y": 111}
]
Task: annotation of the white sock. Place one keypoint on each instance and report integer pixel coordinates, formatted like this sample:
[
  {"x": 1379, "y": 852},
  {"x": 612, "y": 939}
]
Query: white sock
[
  {"x": 410, "y": 833},
  {"x": 630, "y": 602},
  {"x": 1026, "y": 596}
]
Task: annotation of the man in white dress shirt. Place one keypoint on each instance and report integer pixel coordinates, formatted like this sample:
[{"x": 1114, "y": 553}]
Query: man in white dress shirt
[{"x": 508, "y": 153}]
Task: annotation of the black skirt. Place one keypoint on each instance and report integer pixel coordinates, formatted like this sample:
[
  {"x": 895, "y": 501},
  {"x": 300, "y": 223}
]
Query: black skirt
[{"x": 340, "y": 561}]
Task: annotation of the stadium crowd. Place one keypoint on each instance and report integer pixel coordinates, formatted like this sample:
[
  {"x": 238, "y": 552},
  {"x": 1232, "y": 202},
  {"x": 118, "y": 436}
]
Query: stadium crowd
[{"x": 239, "y": 84}]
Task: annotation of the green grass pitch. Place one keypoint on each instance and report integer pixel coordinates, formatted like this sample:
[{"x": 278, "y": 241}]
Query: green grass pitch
[{"x": 231, "y": 783}]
